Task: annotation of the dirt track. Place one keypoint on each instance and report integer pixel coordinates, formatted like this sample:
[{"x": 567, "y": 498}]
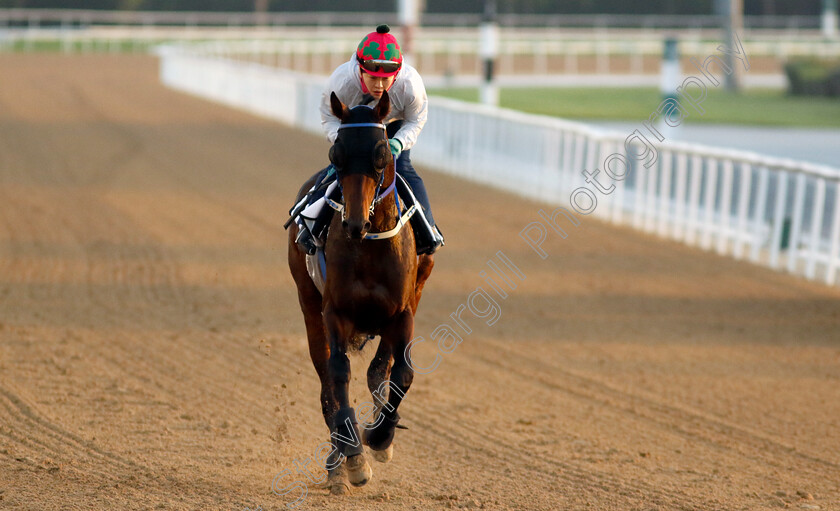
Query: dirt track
[{"x": 152, "y": 352}]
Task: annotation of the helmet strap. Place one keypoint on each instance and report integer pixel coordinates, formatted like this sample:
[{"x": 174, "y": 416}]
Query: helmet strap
[{"x": 393, "y": 81}]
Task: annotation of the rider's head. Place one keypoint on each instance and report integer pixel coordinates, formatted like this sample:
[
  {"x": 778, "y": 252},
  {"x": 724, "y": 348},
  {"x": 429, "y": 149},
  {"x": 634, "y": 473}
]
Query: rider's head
[{"x": 379, "y": 58}]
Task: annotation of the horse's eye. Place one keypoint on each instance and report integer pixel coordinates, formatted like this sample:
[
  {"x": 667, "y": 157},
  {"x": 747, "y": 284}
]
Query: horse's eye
[
  {"x": 381, "y": 153},
  {"x": 337, "y": 155}
]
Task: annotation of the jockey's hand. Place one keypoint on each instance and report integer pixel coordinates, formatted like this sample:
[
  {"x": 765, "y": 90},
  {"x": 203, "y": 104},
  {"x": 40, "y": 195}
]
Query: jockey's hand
[{"x": 396, "y": 147}]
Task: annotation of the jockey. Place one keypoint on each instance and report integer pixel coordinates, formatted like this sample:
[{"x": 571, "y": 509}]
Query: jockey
[{"x": 376, "y": 67}]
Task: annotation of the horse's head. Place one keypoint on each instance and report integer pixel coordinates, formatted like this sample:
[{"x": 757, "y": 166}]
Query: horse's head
[{"x": 360, "y": 155}]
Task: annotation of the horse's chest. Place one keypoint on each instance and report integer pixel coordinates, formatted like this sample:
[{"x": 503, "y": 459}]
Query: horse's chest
[
  {"x": 375, "y": 280},
  {"x": 368, "y": 293},
  {"x": 363, "y": 294}
]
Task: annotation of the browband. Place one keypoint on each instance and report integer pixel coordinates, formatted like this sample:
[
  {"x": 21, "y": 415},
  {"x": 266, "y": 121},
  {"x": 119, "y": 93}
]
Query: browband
[{"x": 362, "y": 125}]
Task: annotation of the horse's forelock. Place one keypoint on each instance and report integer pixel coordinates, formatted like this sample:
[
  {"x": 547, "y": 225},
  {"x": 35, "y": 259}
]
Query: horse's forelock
[{"x": 360, "y": 114}]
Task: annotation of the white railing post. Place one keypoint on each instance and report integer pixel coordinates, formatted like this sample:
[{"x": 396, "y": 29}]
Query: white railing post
[
  {"x": 725, "y": 208},
  {"x": 678, "y": 229},
  {"x": 758, "y": 215},
  {"x": 664, "y": 193},
  {"x": 694, "y": 200},
  {"x": 743, "y": 229},
  {"x": 834, "y": 253},
  {"x": 816, "y": 229},
  {"x": 779, "y": 219},
  {"x": 550, "y": 171},
  {"x": 604, "y": 147},
  {"x": 577, "y": 165},
  {"x": 620, "y": 188},
  {"x": 651, "y": 196},
  {"x": 796, "y": 226},
  {"x": 711, "y": 194},
  {"x": 568, "y": 158},
  {"x": 639, "y": 191}
]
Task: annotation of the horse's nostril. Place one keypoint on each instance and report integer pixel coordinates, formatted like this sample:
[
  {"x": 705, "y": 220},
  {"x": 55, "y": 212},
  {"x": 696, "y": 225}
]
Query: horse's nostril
[{"x": 367, "y": 225}]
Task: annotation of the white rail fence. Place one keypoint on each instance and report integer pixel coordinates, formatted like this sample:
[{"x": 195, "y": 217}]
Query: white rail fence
[
  {"x": 448, "y": 57},
  {"x": 432, "y": 46},
  {"x": 86, "y": 17},
  {"x": 779, "y": 213}
]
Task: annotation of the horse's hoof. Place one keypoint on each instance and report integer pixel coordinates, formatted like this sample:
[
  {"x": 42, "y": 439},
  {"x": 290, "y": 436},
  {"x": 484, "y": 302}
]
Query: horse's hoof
[
  {"x": 383, "y": 456},
  {"x": 340, "y": 488},
  {"x": 358, "y": 470},
  {"x": 337, "y": 481}
]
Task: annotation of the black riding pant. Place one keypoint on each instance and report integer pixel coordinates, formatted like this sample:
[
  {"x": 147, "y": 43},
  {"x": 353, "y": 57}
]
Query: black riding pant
[{"x": 406, "y": 170}]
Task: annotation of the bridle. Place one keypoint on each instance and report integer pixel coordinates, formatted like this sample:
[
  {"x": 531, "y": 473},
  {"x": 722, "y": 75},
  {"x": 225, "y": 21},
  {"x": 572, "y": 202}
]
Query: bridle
[{"x": 379, "y": 194}]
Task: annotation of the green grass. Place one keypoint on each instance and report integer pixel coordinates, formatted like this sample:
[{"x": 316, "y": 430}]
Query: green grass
[
  {"x": 762, "y": 107},
  {"x": 53, "y": 46}
]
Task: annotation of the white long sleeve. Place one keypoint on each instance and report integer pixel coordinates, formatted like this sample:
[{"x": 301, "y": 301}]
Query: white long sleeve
[{"x": 408, "y": 101}]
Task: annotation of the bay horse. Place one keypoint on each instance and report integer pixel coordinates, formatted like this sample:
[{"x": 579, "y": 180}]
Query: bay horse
[{"x": 372, "y": 288}]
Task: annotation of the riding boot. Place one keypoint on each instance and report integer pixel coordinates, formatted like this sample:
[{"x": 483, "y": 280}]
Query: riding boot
[
  {"x": 305, "y": 239},
  {"x": 429, "y": 244}
]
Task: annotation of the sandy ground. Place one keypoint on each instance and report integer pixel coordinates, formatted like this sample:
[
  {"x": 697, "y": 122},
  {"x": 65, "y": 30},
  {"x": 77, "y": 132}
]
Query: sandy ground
[{"x": 152, "y": 352}]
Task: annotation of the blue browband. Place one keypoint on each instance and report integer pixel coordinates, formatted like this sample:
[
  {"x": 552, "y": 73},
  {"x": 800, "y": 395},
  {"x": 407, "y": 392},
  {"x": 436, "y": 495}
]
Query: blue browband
[{"x": 362, "y": 125}]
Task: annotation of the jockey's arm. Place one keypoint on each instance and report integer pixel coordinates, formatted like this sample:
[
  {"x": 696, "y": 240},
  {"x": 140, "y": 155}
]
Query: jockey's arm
[
  {"x": 415, "y": 108},
  {"x": 342, "y": 83}
]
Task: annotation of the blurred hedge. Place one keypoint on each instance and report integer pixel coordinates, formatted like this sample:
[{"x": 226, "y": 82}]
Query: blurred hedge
[{"x": 813, "y": 77}]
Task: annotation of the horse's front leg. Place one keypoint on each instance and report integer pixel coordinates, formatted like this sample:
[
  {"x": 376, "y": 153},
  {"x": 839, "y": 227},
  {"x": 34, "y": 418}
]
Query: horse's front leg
[
  {"x": 378, "y": 375},
  {"x": 319, "y": 352},
  {"x": 345, "y": 433},
  {"x": 397, "y": 334}
]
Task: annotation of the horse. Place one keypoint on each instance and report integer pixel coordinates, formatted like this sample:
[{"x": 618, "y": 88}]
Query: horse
[{"x": 372, "y": 288}]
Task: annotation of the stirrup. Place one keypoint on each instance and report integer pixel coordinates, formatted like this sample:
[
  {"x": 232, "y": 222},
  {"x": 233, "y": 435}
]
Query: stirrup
[{"x": 439, "y": 241}]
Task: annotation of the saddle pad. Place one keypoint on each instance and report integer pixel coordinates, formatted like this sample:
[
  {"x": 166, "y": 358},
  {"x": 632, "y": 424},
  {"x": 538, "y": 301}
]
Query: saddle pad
[{"x": 313, "y": 211}]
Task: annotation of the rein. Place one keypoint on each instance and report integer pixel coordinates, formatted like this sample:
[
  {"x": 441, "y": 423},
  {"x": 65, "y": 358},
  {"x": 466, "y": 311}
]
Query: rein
[{"x": 402, "y": 220}]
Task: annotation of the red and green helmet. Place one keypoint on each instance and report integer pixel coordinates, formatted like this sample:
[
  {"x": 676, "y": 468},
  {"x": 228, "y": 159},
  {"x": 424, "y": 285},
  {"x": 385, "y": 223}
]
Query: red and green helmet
[{"x": 379, "y": 53}]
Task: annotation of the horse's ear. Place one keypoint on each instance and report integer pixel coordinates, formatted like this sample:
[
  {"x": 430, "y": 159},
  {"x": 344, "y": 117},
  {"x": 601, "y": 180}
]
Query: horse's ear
[
  {"x": 338, "y": 108},
  {"x": 383, "y": 107}
]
